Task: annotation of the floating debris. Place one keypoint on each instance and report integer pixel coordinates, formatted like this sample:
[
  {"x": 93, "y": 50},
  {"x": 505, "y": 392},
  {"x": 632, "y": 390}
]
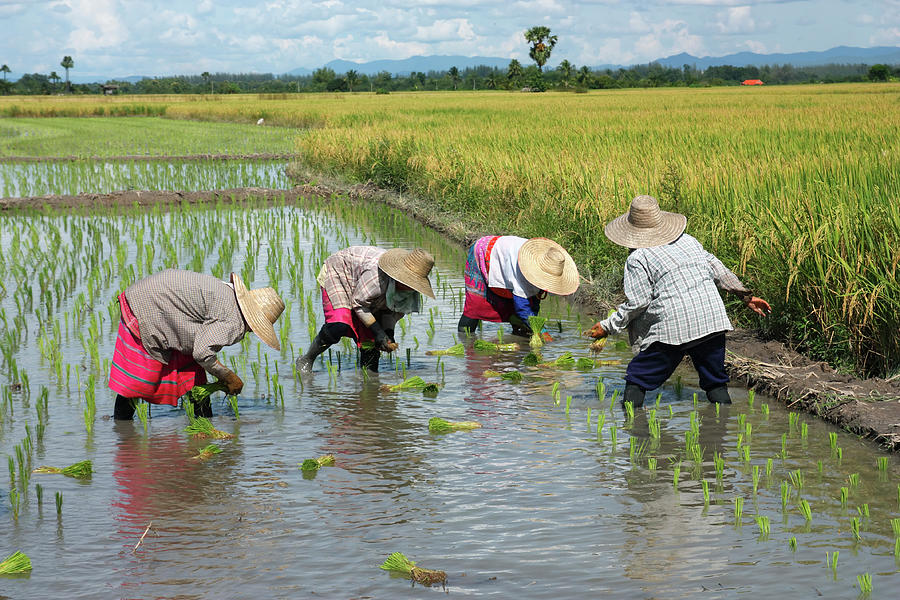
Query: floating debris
[
  {"x": 398, "y": 563},
  {"x": 80, "y": 470},
  {"x": 314, "y": 464},
  {"x": 439, "y": 425}
]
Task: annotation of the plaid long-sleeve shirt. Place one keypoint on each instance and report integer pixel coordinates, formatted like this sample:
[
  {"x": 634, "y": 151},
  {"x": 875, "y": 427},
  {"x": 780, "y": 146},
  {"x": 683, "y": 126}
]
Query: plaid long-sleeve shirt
[
  {"x": 352, "y": 279},
  {"x": 187, "y": 312},
  {"x": 672, "y": 296}
]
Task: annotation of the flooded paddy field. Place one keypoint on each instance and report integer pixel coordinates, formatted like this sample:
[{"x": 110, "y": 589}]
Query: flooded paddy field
[{"x": 559, "y": 494}]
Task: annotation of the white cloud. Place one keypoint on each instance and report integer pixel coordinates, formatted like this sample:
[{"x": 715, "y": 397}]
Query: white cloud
[
  {"x": 735, "y": 20},
  {"x": 445, "y": 30},
  {"x": 96, "y": 25},
  {"x": 204, "y": 7},
  {"x": 398, "y": 49},
  {"x": 889, "y": 36},
  {"x": 754, "y": 46}
]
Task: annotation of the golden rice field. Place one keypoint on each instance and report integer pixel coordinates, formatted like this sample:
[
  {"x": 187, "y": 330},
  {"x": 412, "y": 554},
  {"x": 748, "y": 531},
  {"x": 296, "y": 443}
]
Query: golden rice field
[{"x": 795, "y": 187}]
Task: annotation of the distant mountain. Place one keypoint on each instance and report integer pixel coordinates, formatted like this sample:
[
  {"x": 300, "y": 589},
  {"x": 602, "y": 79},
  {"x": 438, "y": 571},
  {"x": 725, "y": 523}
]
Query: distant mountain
[
  {"x": 840, "y": 55},
  {"x": 421, "y": 64}
]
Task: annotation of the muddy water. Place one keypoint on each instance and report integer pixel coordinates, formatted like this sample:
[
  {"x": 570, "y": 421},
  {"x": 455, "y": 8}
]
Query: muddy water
[
  {"x": 534, "y": 504},
  {"x": 22, "y": 179}
]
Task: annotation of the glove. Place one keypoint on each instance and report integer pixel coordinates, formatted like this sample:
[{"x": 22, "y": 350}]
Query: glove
[
  {"x": 759, "y": 306},
  {"x": 233, "y": 383},
  {"x": 382, "y": 340},
  {"x": 519, "y": 327},
  {"x": 596, "y": 331}
]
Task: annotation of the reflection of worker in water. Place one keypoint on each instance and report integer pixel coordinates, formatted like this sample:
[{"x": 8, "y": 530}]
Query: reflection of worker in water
[
  {"x": 173, "y": 324},
  {"x": 673, "y": 307},
  {"x": 365, "y": 291},
  {"x": 507, "y": 276}
]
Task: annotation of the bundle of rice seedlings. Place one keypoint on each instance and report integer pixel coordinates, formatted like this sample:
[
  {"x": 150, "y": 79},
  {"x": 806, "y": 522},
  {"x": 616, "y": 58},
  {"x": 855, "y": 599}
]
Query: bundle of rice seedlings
[
  {"x": 398, "y": 563},
  {"x": 430, "y": 390},
  {"x": 536, "y": 324},
  {"x": 438, "y": 425},
  {"x": 606, "y": 363},
  {"x": 585, "y": 364},
  {"x": 410, "y": 383},
  {"x": 15, "y": 563},
  {"x": 598, "y": 345},
  {"x": 485, "y": 346},
  {"x": 201, "y": 428},
  {"x": 208, "y": 451},
  {"x": 200, "y": 393},
  {"x": 313, "y": 464},
  {"x": 80, "y": 470},
  {"x": 456, "y": 350},
  {"x": 513, "y": 376},
  {"x": 532, "y": 359},
  {"x": 565, "y": 361}
]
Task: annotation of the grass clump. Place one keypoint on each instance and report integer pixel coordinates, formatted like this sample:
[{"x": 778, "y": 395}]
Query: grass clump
[
  {"x": 455, "y": 350},
  {"x": 398, "y": 563},
  {"x": 439, "y": 425},
  {"x": 532, "y": 359},
  {"x": 16, "y": 562},
  {"x": 314, "y": 464},
  {"x": 80, "y": 470}
]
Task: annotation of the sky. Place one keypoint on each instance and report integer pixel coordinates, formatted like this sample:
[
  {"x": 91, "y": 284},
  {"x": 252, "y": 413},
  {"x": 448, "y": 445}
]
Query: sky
[{"x": 118, "y": 38}]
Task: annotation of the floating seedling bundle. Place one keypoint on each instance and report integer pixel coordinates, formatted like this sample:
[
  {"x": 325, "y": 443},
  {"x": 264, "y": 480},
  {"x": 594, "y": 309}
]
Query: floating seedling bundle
[
  {"x": 207, "y": 451},
  {"x": 513, "y": 376},
  {"x": 485, "y": 346},
  {"x": 412, "y": 383},
  {"x": 311, "y": 465},
  {"x": 80, "y": 470},
  {"x": 565, "y": 362},
  {"x": 532, "y": 359},
  {"x": 439, "y": 425},
  {"x": 455, "y": 350},
  {"x": 398, "y": 563},
  {"x": 15, "y": 563},
  {"x": 201, "y": 428}
]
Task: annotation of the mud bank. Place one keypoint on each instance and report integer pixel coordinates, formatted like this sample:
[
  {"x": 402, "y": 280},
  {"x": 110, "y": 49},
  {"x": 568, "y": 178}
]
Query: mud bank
[{"x": 867, "y": 407}]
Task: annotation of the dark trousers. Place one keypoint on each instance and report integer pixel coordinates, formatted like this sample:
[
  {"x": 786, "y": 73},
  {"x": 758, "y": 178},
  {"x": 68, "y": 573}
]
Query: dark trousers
[
  {"x": 653, "y": 366},
  {"x": 331, "y": 333}
]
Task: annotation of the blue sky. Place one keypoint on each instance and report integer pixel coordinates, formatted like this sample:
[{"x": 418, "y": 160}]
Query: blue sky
[{"x": 166, "y": 37}]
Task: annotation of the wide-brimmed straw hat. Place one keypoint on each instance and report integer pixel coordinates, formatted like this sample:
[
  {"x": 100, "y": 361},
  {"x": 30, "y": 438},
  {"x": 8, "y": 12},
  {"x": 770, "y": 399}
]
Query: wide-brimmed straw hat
[
  {"x": 261, "y": 308},
  {"x": 547, "y": 265},
  {"x": 645, "y": 225},
  {"x": 409, "y": 267}
]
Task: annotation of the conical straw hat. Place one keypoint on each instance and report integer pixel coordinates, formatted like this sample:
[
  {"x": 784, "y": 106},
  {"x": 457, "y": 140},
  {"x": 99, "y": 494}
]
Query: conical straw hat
[
  {"x": 409, "y": 267},
  {"x": 645, "y": 225},
  {"x": 547, "y": 265},
  {"x": 261, "y": 308}
]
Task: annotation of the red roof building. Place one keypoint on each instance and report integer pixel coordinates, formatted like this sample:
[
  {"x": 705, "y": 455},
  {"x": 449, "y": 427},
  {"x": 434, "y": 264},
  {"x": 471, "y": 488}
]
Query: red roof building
[{"x": 752, "y": 82}]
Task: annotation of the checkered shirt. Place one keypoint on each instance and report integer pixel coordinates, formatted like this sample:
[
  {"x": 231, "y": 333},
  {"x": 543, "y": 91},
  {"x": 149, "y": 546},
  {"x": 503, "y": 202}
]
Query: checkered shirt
[
  {"x": 188, "y": 312},
  {"x": 353, "y": 281},
  {"x": 671, "y": 294}
]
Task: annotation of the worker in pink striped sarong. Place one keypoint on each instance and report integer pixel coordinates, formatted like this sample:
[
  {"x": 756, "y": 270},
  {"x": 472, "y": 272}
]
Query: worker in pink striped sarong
[
  {"x": 173, "y": 324},
  {"x": 507, "y": 276}
]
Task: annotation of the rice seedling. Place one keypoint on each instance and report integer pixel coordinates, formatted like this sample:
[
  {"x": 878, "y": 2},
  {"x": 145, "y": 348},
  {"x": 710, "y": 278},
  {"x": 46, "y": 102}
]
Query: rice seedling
[
  {"x": 769, "y": 466},
  {"x": 751, "y": 396},
  {"x": 839, "y": 454},
  {"x": 895, "y": 525},
  {"x": 601, "y": 418},
  {"x": 589, "y": 417},
  {"x": 832, "y": 439},
  {"x": 719, "y": 463},
  {"x": 765, "y": 410},
  {"x": 762, "y": 522},
  {"x": 658, "y": 399},
  {"x": 201, "y": 393},
  {"x": 455, "y": 350},
  {"x": 796, "y": 480},
  {"x": 438, "y": 425},
  {"x": 755, "y": 478},
  {"x": 201, "y": 428},
  {"x": 854, "y": 480},
  {"x": 39, "y": 492},
  {"x": 398, "y": 563},
  {"x": 804, "y": 430},
  {"x": 785, "y": 495},
  {"x": 651, "y": 463},
  {"x": 613, "y": 431},
  {"x": 314, "y": 464},
  {"x": 695, "y": 399},
  {"x": 629, "y": 411},
  {"x": 15, "y": 502},
  {"x": 653, "y": 424},
  {"x": 831, "y": 561},
  {"x": 865, "y": 584},
  {"x": 601, "y": 390},
  {"x": 805, "y": 510},
  {"x": 532, "y": 359},
  {"x": 555, "y": 393},
  {"x": 568, "y": 404},
  {"x": 845, "y": 494},
  {"x": 863, "y": 510},
  {"x": 16, "y": 562},
  {"x": 678, "y": 386},
  {"x": 792, "y": 543},
  {"x": 207, "y": 451},
  {"x": 485, "y": 346},
  {"x": 59, "y": 504},
  {"x": 676, "y": 474},
  {"x": 597, "y": 346},
  {"x": 793, "y": 420},
  {"x": 233, "y": 404},
  {"x": 513, "y": 376},
  {"x": 80, "y": 470},
  {"x": 897, "y": 549},
  {"x": 783, "y": 445},
  {"x": 705, "y": 485},
  {"x": 537, "y": 326},
  {"x": 563, "y": 362},
  {"x": 584, "y": 364},
  {"x": 410, "y": 383},
  {"x": 854, "y": 529},
  {"x": 882, "y": 463},
  {"x": 431, "y": 390},
  {"x": 745, "y": 454},
  {"x": 820, "y": 467},
  {"x": 738, "y": 509},
  {"x": 142, "y": 410}
]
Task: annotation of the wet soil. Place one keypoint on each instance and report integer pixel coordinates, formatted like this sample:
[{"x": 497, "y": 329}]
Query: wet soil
[{"x": 867, "y": 407}]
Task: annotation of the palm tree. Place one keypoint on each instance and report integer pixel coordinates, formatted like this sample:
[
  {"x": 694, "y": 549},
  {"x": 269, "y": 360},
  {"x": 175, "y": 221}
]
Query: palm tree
[
  {"x": 205, "y": 75},
  {"x": 490, "y": 81},
  {"x": 454, "y": 76},
  {"x": 352, "y": 78},
  {"x": 584, "y": 75},
  {"x": 566, "y": 69},
  {"x": 67, "y": 63},
  {"x": 4, "y": 69},
  {"x": 514, "y": 71},
  {"x": 542, "y": 44},
  {"x": 54, "y": 78}
]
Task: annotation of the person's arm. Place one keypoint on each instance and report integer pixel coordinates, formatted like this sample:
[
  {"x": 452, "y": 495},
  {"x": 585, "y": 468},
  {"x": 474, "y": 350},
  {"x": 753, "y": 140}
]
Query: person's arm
[
  {"x": 638, "y": 293},
  {"x": 726, "y": 280},
  {"x": 366, "y": 294},
  {"x": 207, "y": 343}
]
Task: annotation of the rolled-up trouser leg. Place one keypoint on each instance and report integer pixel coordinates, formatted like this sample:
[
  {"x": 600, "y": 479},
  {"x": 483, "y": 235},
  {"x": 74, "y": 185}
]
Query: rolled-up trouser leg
[{"x": 124, "y": 408}]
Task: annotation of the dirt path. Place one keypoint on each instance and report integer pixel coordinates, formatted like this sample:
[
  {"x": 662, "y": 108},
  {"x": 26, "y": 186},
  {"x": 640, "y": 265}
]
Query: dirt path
[{"x": 869, "y": 407}]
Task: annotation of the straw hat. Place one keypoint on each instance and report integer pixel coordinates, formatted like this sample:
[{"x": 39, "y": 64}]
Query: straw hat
[
  {"x": 261, "y": 308},
  {"x": 409, "y": 267},
  {"x": 645, "y": 226},
  {"x": 547, "y": 265}
]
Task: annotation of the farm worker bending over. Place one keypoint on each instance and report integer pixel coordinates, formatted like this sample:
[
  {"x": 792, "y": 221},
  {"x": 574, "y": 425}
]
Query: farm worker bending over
[
  {"x": 173, "y": 324},
  {"x": 672, "y": 306},
  {"x": 507, "y": 277},
  {"x": 365, "y": 291}
]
